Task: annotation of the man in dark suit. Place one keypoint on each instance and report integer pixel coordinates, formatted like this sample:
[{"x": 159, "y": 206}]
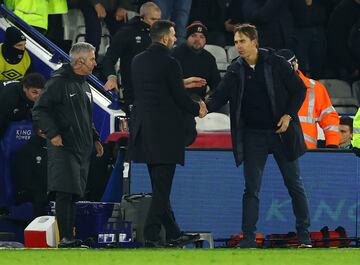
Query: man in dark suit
[
  {"x": 265, "y": 95},
  {"x": 157, "y": 131}
]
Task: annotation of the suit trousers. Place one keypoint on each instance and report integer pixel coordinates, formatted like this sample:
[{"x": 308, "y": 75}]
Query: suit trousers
[
  {"x": 160, "y": 212},
  {"x": 257, "y": 146}
]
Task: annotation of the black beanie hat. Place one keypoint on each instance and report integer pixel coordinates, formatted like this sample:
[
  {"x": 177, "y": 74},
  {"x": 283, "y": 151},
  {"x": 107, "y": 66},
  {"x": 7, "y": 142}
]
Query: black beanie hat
[
  {"x": 13, "y": 36},
  {"x": 287, "y": 54},
  {"x": 196, "y": 26}
]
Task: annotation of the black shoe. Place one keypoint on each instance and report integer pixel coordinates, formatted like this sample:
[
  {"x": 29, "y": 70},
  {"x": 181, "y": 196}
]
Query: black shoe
[
  {"x": 185, "y": 239},
  {"x": 304, "y": 240},
  {"x": 247, "y": 242},
  {"x": 157, "y": 244},
  {"x": 70, "y": 243}
]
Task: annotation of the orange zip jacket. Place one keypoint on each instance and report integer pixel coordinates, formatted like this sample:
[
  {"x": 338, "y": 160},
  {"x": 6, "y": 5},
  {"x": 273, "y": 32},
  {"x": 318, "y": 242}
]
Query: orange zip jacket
[{"x": 317, "y": 108}]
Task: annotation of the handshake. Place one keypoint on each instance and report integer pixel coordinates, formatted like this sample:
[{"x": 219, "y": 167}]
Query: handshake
[
  {"x": 197, "y": 82},
  {"x": 203, "y": 110}
]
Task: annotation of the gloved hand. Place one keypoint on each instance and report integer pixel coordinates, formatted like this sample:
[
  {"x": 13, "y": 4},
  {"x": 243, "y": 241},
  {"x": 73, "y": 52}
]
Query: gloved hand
[{"x": 356, "y": 151}]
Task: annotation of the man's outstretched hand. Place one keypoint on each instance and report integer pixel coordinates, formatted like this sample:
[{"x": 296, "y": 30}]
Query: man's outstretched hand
[
  {"x": 203, "y": 110},
  {"x": 194, "y": 81}
]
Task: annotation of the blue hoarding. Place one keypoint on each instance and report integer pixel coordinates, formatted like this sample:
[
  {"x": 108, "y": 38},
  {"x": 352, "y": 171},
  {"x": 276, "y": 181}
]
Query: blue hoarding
[{"x": 207, "y": 193}]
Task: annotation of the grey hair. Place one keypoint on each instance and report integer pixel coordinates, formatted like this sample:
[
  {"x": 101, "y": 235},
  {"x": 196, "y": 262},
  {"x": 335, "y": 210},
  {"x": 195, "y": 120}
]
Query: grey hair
[
  {"x": 147, "y": 7},
  {"x": 80, "y": 50}
]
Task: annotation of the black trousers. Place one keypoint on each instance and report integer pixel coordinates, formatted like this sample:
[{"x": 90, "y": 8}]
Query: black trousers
[
  {"x": 65, "y": 213},
  {"x": 257, "y": 146},
  {"x": 93, "y": 28},
  {"x": 160, "y": 212}
]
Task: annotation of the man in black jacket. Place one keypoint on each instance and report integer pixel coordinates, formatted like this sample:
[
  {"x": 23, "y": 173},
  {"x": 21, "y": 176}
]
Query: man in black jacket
[
  {"x": 342, "y": 60},
  {"x": 17, "y": 99},
  {"x": 132, "y": 39},
  {"x": 265, "y": 96},
  {"x": 157, "y": 131},
  {"x": 64, "y": 114},
  {"x": 195, "y": 60}
]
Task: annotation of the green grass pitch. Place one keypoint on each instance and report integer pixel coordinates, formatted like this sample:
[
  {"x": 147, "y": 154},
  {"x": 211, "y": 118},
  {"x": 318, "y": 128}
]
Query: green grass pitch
[{"x": 180, "y": 256}]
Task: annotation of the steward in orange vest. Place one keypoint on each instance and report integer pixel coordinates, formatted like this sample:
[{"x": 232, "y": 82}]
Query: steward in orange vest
[{"x": 316, "y": 109}]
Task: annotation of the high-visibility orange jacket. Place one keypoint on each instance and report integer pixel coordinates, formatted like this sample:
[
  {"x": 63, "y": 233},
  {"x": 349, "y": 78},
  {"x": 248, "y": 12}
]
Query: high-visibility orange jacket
[{"x": 317, "y": 108}]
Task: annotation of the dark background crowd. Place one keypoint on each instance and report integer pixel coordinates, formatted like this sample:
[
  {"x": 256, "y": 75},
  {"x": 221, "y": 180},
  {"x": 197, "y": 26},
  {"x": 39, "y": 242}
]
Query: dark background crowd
[{"x": 323, "y": 33}]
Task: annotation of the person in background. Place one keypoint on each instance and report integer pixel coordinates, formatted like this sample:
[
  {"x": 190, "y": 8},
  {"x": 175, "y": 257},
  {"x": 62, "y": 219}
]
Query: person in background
[
  {"x": 346, "y": 132},
  {"x": 343, "y": 61},
  {"x": 111, "y": 12},
  {"x": 36, "y": 12},
  {"x": 233, "y": 16},
  {"x": 310, "y": 42},
  {"x": 15, "y": 61},
  {"x": 17, "y": 98},
  {"x": 212, "y": 14},
  {"x": 355, "y": 142},
  {"x": 178, "y": 12},
  {"x": 196, "y": 61},
  {"x": 64, "y": 114},
  {"x": 132, "y": 39},
  {"x": 316, "y": 109},
  {"x": 273, "y": 20},
  {"x": 265, "y": 95}
]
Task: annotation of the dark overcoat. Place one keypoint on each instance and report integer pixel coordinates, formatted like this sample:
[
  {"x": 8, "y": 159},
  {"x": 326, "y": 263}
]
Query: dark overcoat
[
  {"x": 157, "y": 130},
  {"x": 65, "y": 109},
  {"x": 286, "y": 92}
]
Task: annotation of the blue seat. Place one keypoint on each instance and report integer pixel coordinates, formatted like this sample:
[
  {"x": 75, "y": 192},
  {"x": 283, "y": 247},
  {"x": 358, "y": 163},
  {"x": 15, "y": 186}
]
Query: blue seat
[{"x": 16, "y": 135}]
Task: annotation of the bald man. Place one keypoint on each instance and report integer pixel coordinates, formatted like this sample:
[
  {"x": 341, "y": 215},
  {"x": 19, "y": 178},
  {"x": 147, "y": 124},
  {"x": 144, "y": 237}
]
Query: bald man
[{"x": 128, "y": 42}]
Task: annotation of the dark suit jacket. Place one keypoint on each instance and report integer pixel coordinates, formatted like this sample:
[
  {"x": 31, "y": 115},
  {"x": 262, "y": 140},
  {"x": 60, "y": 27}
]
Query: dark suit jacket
[
  {"x": 157, "y": 131},
  {"x": 285, "y": 89}
]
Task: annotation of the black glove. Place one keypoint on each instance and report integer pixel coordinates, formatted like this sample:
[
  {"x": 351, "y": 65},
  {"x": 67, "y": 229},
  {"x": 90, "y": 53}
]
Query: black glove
[{"x": 356, "y": 151}]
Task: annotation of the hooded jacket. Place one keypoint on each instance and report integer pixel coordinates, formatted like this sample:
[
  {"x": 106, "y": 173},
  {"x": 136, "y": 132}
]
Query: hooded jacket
[
  {"x": 317, "y": 109},
  {"x": 65, "y": 109}
]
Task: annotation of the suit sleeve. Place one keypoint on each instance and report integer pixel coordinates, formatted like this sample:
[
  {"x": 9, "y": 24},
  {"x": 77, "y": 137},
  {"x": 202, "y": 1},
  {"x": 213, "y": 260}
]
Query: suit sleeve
[
  {"x": 43, "y": 111},
  {"x": 214, "y": 75},
  {"x": 222, "y": 92},
  {"x": 177, "y": 89}
]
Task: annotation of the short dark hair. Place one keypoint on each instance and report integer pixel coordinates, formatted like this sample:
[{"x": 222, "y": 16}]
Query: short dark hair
[
  {"x": 160, "y": 28},
  {"x": 346, "y": 120},
  {"x": 33, "y": 80},
  {"x": 248, "y": 30}
]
